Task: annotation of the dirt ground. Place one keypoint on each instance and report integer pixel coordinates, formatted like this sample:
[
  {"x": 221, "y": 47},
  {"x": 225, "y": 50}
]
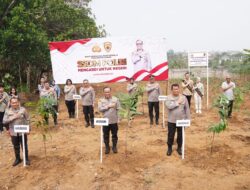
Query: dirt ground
[{"x": 73, "y": 156}]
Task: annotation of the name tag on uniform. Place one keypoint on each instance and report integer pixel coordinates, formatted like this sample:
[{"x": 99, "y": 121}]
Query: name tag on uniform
[
  {"x": 21, "y": 128},
  {"x": 162, "y": 98},
  {"x": 77, "y": 97},
  {"x": 183, "y": 123},
  {"x": 101, "y": 121}
]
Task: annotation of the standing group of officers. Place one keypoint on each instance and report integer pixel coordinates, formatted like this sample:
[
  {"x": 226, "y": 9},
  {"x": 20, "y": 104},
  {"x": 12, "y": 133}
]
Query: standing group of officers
[{"x": 177, "y": 104}]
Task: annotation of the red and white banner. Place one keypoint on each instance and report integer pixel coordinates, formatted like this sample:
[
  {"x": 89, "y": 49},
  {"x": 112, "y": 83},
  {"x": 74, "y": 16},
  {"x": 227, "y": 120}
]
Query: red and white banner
[{"x": 109, "y": 59}]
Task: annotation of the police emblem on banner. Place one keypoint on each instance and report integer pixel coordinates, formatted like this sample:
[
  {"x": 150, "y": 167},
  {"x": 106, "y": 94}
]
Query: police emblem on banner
[
  {"x": 107, "y": 46},
  {"x": 96, "y": 48}
]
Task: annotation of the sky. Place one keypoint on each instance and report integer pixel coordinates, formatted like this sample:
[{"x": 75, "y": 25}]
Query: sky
[{"x": 188, "y": 25}]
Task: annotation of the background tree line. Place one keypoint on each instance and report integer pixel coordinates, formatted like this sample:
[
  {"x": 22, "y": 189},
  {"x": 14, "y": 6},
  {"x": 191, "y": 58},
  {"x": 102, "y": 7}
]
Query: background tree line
[
  {"x": 26, "y": 27},
  {"x": 234, "y": 62}
]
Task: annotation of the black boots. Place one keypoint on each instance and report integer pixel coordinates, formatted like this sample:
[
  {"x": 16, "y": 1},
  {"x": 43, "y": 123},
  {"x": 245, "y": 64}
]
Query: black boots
[
  {"x": 169, "y": 152},
  {"x": 114, "y": 149},
  {"x": 17, "y": 155},
  {"x": 91, "y": 123},
  {"x": 27, "y": 162},
  {"x": 1, "y": 127},
  {"x": 156, "y": 122},
  {"x": 17, "y": 161},
  {"x": 179, "y": 150},
  {"x": 55, "y": 120},
  {"x": 71, "y": 115},
  {"x": 87, "y": 125},
  {"x": 107, "y": 149}
]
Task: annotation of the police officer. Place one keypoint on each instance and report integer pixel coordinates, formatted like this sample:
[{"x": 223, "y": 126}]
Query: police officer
[
  {"x": 4, "y": 99},
  {"x": 228, "y": 90},
  {"x": 132, "y": 86},
  {"x": 17, "y": 115},
  {"x": 178, "y": 109},
  {"x": 69, "y": 91},
  {"x": 188, "y": 87},
  {"x": 109, "y": 106},
  {"x": 154, "y": 91},
  {"x": 88, "y": 99}
]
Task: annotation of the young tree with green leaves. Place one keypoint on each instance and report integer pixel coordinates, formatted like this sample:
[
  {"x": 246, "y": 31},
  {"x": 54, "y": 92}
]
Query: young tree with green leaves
[
  {"x": 128, "y": 109},
  {"x": 221, "y": 103},
  {"x": 44, "y": 108}
]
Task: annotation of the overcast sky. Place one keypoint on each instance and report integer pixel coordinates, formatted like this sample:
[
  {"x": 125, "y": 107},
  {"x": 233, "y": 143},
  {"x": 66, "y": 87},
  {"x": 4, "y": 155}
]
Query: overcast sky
[{"x": 189, "y": 25}]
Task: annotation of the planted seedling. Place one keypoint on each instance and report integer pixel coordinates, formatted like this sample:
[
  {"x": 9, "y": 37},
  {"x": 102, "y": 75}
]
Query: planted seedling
[
  {"x": 221, "y": 104},
  {"x": 44, "y": 109},
  {"x": 129, "y": 109}
]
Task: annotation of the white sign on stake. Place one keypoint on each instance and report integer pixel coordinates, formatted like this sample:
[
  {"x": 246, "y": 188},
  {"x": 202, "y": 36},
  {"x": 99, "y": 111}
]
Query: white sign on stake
[
  {"x": 183, "y": 124},
  {"x": 22, "y": 129},
  {"x": 199, "y": 59},
  {"x": 77, "y": 97},
  {"x": 163, "y": 99},
  {"x": 101, "y": 122}
]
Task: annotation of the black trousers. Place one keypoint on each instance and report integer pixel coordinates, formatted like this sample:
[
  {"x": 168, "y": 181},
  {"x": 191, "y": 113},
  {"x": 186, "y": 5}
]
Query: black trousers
[
  {"x": 188, "y": 99},
  {"x": 71, "y": 107},
  {"x": 88, "y": 114},
  {"x": 153, "y": 106},
  {"x": 17, "y": 141},
  {"x": 1, "y": 121},
  {"x": 171, "y": 133},
  {"x": 230, "y": 108},
  {"x": 54, "y": 115},
  {"x": 106, "y": 131}
]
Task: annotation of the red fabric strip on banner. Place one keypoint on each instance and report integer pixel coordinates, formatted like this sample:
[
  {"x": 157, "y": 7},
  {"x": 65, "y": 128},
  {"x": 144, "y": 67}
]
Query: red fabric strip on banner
[
  {"x": 117, "y": 79},
  {"x": 63, "y": 46},
  {"x": 158, "y": 67},
  {"x": 162, "y": 76}
]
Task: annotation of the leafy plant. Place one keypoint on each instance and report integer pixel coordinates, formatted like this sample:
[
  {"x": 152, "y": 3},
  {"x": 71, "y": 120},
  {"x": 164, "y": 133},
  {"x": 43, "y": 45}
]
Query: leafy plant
[
  {"x": 23, "y": 88},
  {"x": 30, "y": 104},
  {"x": 129, "y": 109},
  {"x": 7, "y": 80},
  {"x": 221, "y": 103},
  {"x": 238, "y": 98},
  {"x": 44, "y": 108},
  {"x": 140, "y": 92},
  {"x": 246, "y": 87}
]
